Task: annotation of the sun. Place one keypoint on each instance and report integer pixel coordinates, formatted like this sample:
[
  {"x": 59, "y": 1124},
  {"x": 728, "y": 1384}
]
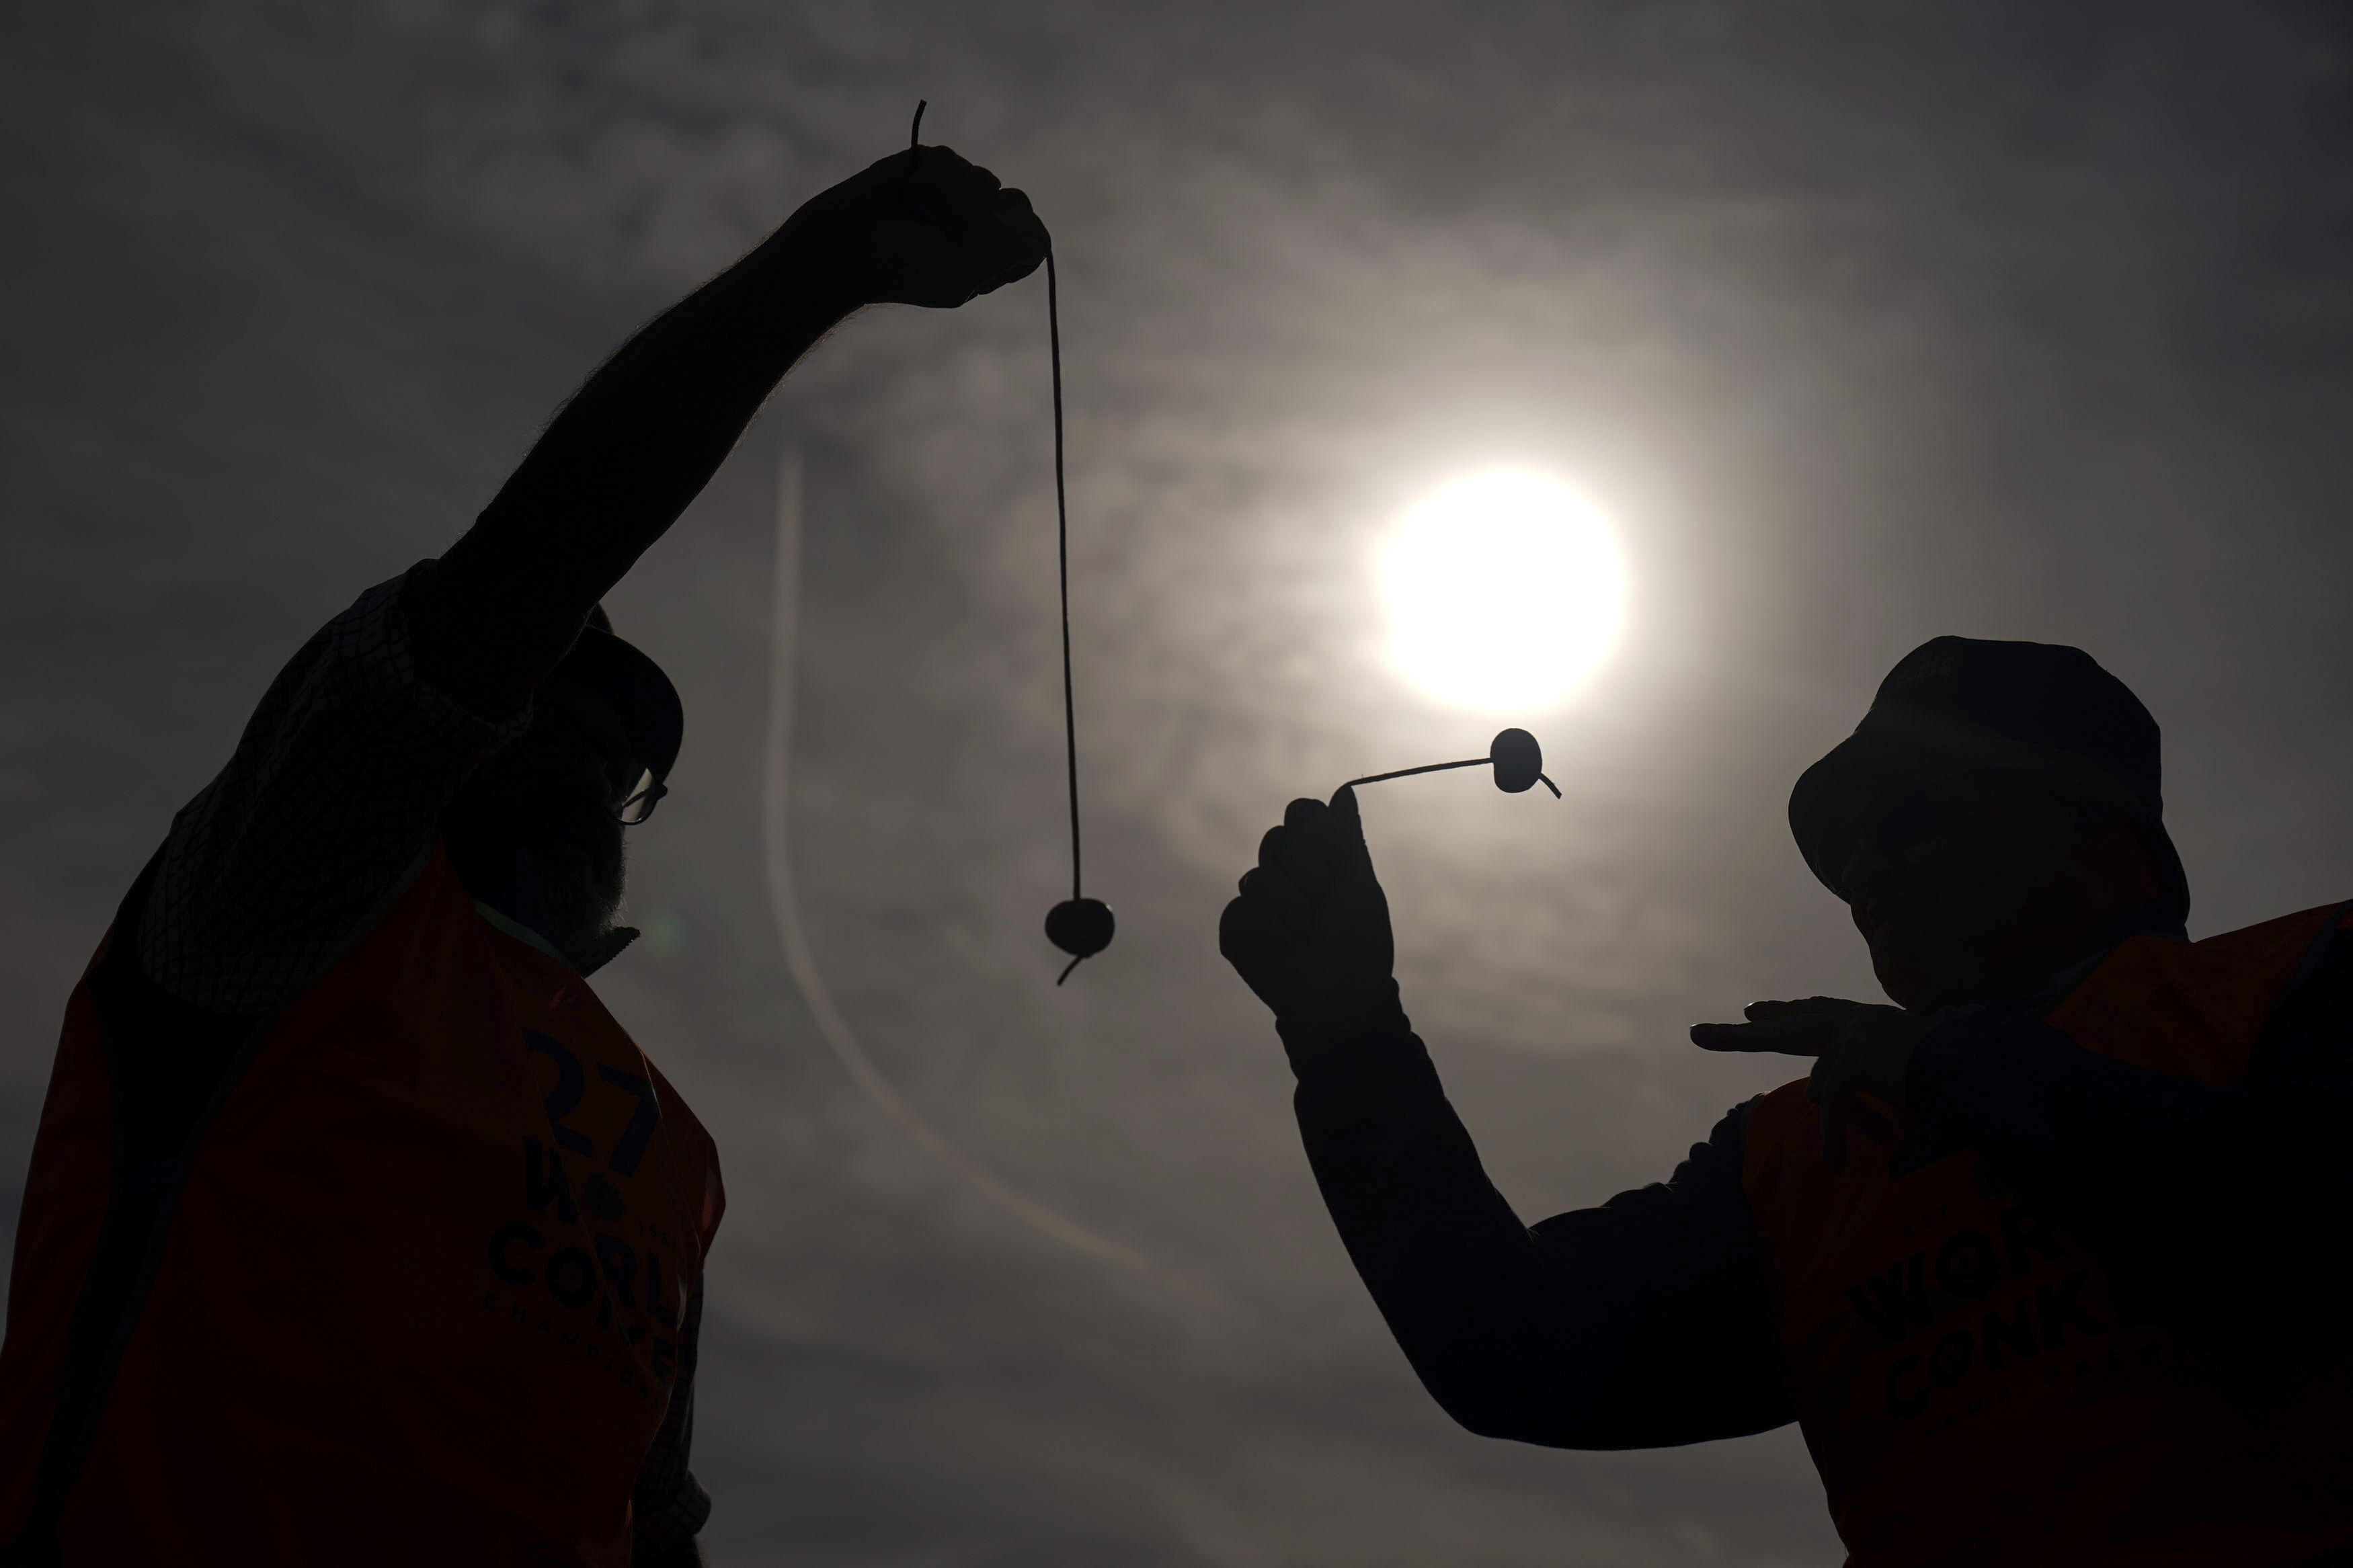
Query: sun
[{"x": 1503, "y": 593}]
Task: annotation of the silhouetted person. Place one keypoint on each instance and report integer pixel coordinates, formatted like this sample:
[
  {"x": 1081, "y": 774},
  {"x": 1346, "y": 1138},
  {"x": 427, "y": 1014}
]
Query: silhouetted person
[
  {"x": 2045, "y": 1258},
  {"x": 357, "y": 1231}
]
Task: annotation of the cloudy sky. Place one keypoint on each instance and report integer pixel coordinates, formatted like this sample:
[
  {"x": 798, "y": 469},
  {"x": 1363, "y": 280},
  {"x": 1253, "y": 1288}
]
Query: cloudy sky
[{"x": 1861, "y": 322}]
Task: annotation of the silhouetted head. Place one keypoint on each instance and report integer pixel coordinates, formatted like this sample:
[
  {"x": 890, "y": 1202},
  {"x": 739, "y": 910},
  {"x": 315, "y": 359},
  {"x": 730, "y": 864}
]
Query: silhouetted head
[
  {"x": 1995, "y": 818},
  {"x": 536, "y": 833}
]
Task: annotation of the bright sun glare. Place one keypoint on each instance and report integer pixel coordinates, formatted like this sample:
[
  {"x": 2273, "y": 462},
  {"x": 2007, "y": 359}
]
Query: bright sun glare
[{"x": 1504, "y": 592}]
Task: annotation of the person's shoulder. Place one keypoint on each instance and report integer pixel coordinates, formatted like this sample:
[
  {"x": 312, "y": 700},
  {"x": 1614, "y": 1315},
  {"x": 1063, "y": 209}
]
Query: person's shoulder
[
  {"x": 1727, "y": 1158},
  {"x": 331, "y": 792},
  {"x": 2294, "y": 933},
  {"x": 2280, "y": 960},
  {"x": 2200, "y": 1009},
  {"x": 2308, "y": 1036},
  {"x": 1780, "y": 1143},
  {"x": 1773, "y": 1113}
]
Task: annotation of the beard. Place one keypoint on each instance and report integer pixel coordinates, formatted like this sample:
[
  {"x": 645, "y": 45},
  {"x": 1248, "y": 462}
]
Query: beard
[{"x": 532, "y": 834}]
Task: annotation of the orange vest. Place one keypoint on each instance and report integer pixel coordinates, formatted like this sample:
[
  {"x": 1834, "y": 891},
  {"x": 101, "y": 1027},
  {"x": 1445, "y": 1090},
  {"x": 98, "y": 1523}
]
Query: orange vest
[
  {"x": 415, "y": 1297},
  {"x": 1963, "y": 1379}
]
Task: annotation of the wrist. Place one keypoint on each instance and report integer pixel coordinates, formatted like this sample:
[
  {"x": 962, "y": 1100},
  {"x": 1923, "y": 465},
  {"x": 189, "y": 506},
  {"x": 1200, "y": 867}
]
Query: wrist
[
  {"x": 821, "y": 263},
  {"x": 1312, "y": 1033},
  {"x": 801, "y": 276}
]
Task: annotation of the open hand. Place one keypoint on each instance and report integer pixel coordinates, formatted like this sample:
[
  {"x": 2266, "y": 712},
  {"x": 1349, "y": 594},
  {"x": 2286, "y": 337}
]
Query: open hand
[
  {"x": 1309, "y": 933},
  {"x": 925, "y": 227},
  {"x": 1857, "y": 1046}
]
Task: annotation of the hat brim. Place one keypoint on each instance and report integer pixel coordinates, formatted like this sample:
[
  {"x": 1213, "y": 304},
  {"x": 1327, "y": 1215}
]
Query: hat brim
[
  {"x": 646, "y": 718},
  {"x": 1843, "y": 797}
]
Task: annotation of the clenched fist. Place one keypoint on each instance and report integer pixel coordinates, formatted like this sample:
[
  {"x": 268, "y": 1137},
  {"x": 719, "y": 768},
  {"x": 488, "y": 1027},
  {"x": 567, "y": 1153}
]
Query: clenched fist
[
  {"x": 1309, "y": 933},
  {"x": 924, "y": 227}
]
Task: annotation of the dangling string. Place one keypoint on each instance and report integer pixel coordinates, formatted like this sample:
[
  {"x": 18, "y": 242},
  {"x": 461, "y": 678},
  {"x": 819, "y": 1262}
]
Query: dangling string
[
  {"x": 1078, "y": 925},
  {"x": 1062, "y": 549},
  {"x": 833, "y": 1025}
]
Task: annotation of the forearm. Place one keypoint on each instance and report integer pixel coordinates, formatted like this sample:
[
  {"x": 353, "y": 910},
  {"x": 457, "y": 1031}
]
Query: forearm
[
  {"x": 1446, "y": 1260},
  {"x": 619, "y": 463},
  {"x": 1640, "y": 1323}
]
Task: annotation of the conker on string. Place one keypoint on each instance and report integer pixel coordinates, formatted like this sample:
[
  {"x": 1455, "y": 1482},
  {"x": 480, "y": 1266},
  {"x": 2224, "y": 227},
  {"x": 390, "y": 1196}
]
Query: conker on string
[
  {"x": 1515, "y": 755},
  {"x": 1518, "y": 760},
  {"x": 1080, "y": 927}
]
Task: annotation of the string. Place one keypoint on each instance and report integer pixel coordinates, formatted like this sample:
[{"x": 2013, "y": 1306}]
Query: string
[
  {"x": 1409, "y": 773},
  {"x": 833, "y": 1027},
  {"x": 1439, "y": 768},
  {"x": 1062, "y": 548}
]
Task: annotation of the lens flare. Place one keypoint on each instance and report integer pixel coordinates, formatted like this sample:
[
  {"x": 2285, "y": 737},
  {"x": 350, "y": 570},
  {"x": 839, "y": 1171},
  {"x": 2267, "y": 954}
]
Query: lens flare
[{"x": 1504, "y": 592}]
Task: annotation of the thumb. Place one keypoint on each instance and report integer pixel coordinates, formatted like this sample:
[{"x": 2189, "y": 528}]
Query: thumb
[{"x": 1349, "y": 830}]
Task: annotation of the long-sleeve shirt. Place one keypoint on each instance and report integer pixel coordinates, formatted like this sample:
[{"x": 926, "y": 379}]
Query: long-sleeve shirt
[{"x": 1641, "y": 1323}]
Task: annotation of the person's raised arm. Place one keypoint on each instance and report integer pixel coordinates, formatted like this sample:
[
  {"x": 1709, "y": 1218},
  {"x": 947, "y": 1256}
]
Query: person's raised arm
[
  {"x": 642, "y": 436},
  {"x": 1641, "y": 1324},
  {"x": 338, "y": 783}
]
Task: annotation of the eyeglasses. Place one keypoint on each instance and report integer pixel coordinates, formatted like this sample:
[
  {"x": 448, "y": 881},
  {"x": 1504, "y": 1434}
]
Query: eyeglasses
[{"x": 641, "y": 801}]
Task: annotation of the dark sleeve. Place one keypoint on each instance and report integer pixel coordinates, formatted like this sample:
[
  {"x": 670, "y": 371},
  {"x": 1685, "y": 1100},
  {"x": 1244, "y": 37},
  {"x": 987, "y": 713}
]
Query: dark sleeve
[
  {"x": 621, "y": 461},
  {"x": 337, "y": 785},
  {"x": 322, "y": 812},
  {"x": 2217, "y": 1212},
  {"x": 669, "y": 1506},
  {"x": 1642, "y": 1323}
]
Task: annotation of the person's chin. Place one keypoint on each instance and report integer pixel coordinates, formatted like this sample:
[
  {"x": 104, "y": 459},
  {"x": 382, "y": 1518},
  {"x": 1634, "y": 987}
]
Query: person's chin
[
  {"x": 1919, "y": 978},
  {"x": 579, "y": 899}
]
